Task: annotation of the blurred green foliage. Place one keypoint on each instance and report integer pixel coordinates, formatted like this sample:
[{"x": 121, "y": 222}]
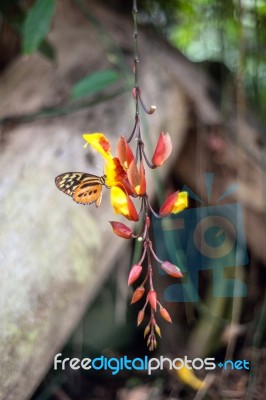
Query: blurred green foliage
[
  {"x": 31, "y": 25},
  {"x": 36, "y": 24},
  {"x": 229, "y": 32},
  {"x": 232, "y": 32},
  {"x": 94, "y": 83},
  {"x": 31, "y": 22}
]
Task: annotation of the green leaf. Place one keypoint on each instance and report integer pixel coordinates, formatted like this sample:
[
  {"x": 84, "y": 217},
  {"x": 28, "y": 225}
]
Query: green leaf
[
  {"x": 37, "y": 24},
  {"x": 94, "y": 83}
]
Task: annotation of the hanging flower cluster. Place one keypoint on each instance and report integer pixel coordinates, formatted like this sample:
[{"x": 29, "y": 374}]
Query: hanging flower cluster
[{"x": 125, "y": 176}]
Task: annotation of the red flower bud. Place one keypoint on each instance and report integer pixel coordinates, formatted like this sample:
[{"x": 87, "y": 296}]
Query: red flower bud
[
  {"x": 140, "y": 317},
  {"x": 158, "y": 330},
  {"x": 121, "y": 230},
  {"x": 137, "y": 295},
  {"x": 134, "y": 273},
  {"x": 165, "y": 314},
  {"x": 152, "y": 298},
  {"x": 171, "y": 269},
  {"x": 147, "y": 330},
  {"x": 163, "y": 149},
  {"x": 152, "y": 342}
]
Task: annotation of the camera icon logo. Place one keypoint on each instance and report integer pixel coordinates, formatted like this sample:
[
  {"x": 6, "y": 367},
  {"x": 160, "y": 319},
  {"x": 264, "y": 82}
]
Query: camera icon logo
[{"x": 210, "y": 237}]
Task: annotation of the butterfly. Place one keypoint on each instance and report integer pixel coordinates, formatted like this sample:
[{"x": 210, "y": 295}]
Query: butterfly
[{"x": 83, "y": 188}]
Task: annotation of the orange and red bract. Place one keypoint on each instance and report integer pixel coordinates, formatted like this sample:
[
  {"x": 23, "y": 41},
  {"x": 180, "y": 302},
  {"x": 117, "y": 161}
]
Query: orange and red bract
[
  {"x": 163, "y": 149},
  {"x": 165, "y": 314},
  {"x": 121, "y": 230},
  {"x": 134, "y": 274},
  {"x": 171, "y": 269},
  {"x": 152, "y": 298},
  {"x": 137, "y": 295}
]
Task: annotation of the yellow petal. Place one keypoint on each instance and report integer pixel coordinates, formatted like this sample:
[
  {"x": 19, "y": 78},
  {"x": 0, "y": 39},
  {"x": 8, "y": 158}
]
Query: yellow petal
[
  {"x": 100, "y": 143},
  {"x": 110, "y": 173},
  {"x": 122, "y": 204},
  {"x": 119, "y": 201},
  {"x": 181, "y": 202}
]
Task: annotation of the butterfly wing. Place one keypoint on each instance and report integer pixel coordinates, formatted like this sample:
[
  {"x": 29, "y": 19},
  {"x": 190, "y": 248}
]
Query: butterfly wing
[
  {"x": 83, "y": 188},
  {"x": 88, "y": 192}
]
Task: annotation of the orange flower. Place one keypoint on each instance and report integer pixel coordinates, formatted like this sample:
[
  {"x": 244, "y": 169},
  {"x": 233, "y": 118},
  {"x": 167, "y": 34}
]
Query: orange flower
[
  {"x": 175, "y": 203},
  {"x": 114, "y": 171}
]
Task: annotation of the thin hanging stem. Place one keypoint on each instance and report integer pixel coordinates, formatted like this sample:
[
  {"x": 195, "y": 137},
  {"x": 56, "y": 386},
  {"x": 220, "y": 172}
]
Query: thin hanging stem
[
  {"x": 145, "y": 209},
  {"x": 154, "y": 255},
  {"x": 150, "y": 165},
  {"x": 136, "y": 56},
  {"x": 135, "y": 129}
]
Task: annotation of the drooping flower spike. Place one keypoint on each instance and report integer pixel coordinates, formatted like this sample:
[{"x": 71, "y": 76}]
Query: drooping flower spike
[{"x": 125, "y": 176}]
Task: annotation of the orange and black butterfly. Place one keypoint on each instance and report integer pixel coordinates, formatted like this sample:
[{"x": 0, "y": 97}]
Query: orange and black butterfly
[{"x": 83, "y": 188}]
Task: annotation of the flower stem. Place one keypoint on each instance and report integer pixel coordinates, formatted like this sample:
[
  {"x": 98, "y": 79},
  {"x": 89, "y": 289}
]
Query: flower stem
[{"x": 136, "y": 56}]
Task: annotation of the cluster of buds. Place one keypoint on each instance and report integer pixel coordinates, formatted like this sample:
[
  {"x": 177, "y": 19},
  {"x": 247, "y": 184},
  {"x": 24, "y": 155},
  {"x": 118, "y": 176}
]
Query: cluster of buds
[{"x": 151, "y": 298}]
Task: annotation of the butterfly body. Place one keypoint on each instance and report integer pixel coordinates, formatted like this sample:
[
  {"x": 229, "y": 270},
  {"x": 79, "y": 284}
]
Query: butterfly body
[{"x": 82, "y": 187}]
